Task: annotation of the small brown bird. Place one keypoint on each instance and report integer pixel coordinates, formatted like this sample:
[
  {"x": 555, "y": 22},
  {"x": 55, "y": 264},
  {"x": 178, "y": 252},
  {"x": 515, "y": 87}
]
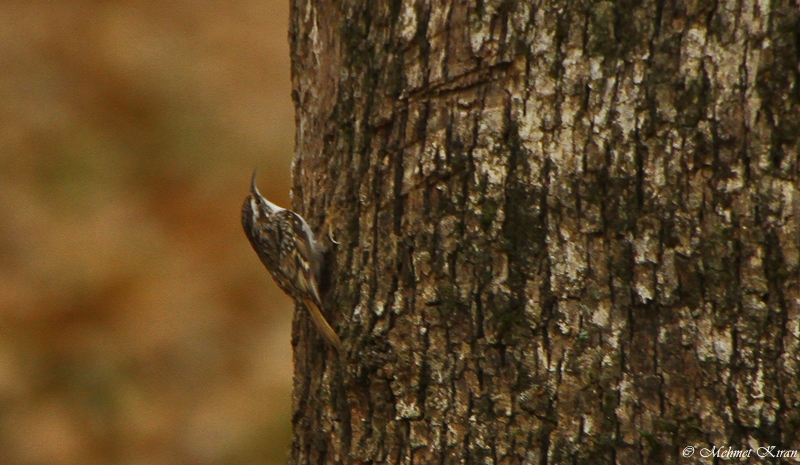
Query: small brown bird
[{"x": 289, "y": 251}]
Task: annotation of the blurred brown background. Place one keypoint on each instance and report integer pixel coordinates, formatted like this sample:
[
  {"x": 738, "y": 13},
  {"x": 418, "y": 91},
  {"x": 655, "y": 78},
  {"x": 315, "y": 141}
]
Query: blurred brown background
[{"x": 136, "y": 324}]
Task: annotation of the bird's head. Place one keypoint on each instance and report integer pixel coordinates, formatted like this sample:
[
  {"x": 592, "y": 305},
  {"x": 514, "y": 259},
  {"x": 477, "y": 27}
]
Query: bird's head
[{"x": 256, "y": 208}]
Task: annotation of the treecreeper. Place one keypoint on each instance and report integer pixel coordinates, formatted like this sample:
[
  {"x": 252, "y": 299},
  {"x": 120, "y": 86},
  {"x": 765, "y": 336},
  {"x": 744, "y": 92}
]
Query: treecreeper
[{"x": 288, "y": 249}]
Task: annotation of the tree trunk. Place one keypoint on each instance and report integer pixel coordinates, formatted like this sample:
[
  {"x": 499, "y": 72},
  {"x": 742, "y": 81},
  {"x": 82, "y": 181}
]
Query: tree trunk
[{"x": 569, "y": 232}]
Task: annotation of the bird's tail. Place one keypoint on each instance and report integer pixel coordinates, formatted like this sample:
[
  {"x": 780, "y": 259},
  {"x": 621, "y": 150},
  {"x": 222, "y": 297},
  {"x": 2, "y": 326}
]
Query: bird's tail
[{"x": 322, "y": 324}]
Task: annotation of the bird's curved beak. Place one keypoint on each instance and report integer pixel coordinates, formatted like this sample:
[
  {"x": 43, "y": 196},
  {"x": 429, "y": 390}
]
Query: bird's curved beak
[{"x": 253, "y": 188}]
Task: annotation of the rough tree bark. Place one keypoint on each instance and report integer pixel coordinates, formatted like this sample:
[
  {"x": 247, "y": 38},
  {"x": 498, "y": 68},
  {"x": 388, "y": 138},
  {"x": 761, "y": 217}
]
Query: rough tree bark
[{"x": 569, "y": 231}]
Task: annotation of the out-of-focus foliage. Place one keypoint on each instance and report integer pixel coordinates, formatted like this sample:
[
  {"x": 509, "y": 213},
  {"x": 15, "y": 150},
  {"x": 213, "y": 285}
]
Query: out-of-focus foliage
[{"x": 136, "y": 324}]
